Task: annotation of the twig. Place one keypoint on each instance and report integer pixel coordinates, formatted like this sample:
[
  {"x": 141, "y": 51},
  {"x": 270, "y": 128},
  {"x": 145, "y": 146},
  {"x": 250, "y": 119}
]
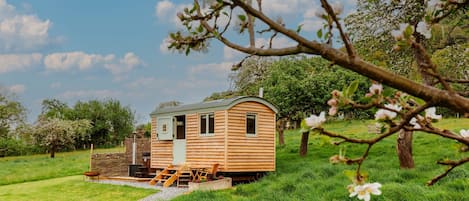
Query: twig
[
  {"x": 343, "y": 35},
  {"x": 451, "y": 164}
]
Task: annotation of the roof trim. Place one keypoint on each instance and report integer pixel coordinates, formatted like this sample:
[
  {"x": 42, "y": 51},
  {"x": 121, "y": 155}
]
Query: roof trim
[{"x": 224, "y": 104}]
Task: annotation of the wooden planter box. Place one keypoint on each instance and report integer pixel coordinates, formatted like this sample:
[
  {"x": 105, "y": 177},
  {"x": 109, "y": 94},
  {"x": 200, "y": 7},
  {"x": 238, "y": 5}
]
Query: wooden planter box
[{"x": 211, "y": 185}]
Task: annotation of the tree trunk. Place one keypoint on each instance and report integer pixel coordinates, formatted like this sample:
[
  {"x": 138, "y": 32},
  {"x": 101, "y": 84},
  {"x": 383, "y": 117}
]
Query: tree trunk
[
  {"x": 281, "y": 125},
  {"x": 304, "y": 144},
  {"x": 281, "y": 138},
  {"x": 52, "y": 150},
  {"x": 404, "y": 149}
]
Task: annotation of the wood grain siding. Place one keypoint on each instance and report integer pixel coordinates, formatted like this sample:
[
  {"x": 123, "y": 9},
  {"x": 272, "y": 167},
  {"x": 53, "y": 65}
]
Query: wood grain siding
[
  {"x": 161, "y": 151},
  {"x": 204, "y": 151},
  {"x": 251, "y": 153}
]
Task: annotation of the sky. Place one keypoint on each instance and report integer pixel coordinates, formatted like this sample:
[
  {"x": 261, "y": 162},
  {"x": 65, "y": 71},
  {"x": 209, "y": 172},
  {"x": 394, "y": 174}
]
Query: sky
[{"x": 116, "y": 49}]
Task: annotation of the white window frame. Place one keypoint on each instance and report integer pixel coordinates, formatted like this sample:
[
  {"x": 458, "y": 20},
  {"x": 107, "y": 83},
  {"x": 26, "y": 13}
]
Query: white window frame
[
  {"x": 255, "y": 125},
  {"x": 207, "y": 124}
]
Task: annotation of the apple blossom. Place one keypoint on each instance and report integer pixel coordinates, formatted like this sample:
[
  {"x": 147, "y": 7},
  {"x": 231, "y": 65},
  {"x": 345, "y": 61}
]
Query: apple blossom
[
  {"x": 332, "y": 102},
  {"x": 424, "y": 29},
  {"x": 430, "y": 113},
  {"x": 383, "y": 114},
  {"x": 336, "y": 93},
  {"x": 464, "y": 133},
  {"x": 399, "y": 34},
  {"x": 333, "y": 111},
  {"x": 414, "y": 123},
  {"x": 314, "y": 121},
  {"x": 363, "y": 191},
  {"x": 376, "y": 88}
]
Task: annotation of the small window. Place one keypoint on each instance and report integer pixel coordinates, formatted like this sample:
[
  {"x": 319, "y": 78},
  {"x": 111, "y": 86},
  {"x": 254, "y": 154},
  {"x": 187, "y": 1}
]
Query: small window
[
  {"x": 251, "y": 124},
  {"x": 207, "y": 124},
  {"x": 164, "y": 128}
]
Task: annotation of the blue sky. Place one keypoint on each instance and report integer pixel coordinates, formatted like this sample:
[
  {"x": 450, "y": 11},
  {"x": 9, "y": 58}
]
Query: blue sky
[{"x": 88, "y": 49}]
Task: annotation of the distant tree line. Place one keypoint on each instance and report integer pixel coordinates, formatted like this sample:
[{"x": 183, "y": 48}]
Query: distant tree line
[{"x": 60, "y": 127}]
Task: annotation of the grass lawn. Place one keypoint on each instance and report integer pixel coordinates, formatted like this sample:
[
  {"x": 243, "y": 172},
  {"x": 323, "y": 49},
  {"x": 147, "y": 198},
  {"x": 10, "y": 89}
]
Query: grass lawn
[
  {"x": 70, "y": 188},
  {"x": 38, "y": 167},
  {"x": 313, "y": 178}
]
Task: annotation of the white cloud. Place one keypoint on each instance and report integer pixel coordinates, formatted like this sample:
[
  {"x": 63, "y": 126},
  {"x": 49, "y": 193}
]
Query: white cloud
[
  {"x": 18, "y": 62},
  {"x": 124, "y": 65},
  {"x": 211, "y": 70},
  {"x": 230, "y": 53},
  {"x": 278, "y": 42},
  {"x": 69, "y": 60},
  {"x": 6, "y": 9},
  {"x": 282, "y": 7},
  {"x": 312, "y": 25},
  {"x": 82, "y": 61},
  {"x": 20, "y": 32},
  {"x": 13, "y": 89},
  {"x": 163, "y": 9},
  {"x": 89, "y": 94}
]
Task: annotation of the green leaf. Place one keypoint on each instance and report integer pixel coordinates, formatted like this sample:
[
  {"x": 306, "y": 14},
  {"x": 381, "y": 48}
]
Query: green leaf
[
  {"x": 242, "y": 17},
  {"x": 216, "y": 34},
  {"x": 225, "y": 13},
  {"x": 200, "y": 29},
  {"x": 324, "y": 140},
  {"x": 298, "y": 29},
  {"x": 387, "y": 91},
  {"x": 352, "y": 88},
  {"x": 193, "y": 8},
  {"x": 304, "y": 127},
  {"x": 319, "y": 33},
  {"x": 350, "y": 174},
  {"x": 188, "y": 50},
  {"x": 408, "y": 32}
]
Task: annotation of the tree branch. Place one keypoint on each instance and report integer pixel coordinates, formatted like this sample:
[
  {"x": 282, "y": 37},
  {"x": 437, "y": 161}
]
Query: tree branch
[
  {"x": 367, "y": 69},
  {"x": 343, "y": 35},
  {"x": 451, "y": 164}
]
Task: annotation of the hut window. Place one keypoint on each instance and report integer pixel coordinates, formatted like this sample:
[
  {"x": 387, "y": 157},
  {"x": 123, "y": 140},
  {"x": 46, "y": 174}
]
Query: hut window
[
  {"x": 251, "y": 124},
  {"x": 207, "y": 124}
]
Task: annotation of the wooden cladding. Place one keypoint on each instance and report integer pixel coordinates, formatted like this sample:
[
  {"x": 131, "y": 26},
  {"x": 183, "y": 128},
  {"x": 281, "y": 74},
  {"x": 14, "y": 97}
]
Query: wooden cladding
[
  {"x": 246, "y": 152},
  {"x": 236, "y": 144},
  {"x": 161, "y": 151}
]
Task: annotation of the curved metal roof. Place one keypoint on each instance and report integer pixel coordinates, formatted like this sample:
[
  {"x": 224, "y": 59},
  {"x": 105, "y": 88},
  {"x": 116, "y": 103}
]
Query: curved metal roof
[{"x": 222, "y": 104}]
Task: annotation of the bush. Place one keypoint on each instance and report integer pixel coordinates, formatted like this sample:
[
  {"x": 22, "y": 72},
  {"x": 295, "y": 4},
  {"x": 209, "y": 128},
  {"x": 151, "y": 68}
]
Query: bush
[{"x": 14, "y": 147}]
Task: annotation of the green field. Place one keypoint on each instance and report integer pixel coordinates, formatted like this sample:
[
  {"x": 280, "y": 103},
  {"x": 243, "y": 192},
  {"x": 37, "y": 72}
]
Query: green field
[
  {"x": 20, "y": 169},
  {"x": 313, "y": 178},
  {"x": 296, "y": 178},
  {"x": 72, "y": 188}
]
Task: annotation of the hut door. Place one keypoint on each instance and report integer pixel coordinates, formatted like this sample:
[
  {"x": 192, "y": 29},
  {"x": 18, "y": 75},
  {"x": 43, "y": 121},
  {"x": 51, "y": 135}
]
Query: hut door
[{"x": 179, "y": 142}]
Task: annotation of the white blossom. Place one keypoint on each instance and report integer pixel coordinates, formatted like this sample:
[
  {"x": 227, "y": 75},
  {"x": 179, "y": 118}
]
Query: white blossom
[
  {"x": 363, "y": 191},
  {"x": 414, "y": 123},
  {"x": 399, "y": 34},
  {"x": 424, "y": 29},
  {"x": 383, "y": 114},
  {"x": 430, "y": 113},
  {"x": 464, "y": 133},
  {"x": 434, "y": 5},
  {"x": 376, "y": 88},
  {"x": 316, "y": 121}
]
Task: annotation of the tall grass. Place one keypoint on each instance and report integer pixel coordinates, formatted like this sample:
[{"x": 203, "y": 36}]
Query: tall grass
[
  {"x": 313, "y": 178},
  {"x": 20, "y": 169}
]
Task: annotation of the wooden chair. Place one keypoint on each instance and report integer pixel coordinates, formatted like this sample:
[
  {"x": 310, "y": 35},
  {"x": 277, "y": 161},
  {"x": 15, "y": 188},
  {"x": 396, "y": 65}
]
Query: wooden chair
[{"x": 204, "y": 175}]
